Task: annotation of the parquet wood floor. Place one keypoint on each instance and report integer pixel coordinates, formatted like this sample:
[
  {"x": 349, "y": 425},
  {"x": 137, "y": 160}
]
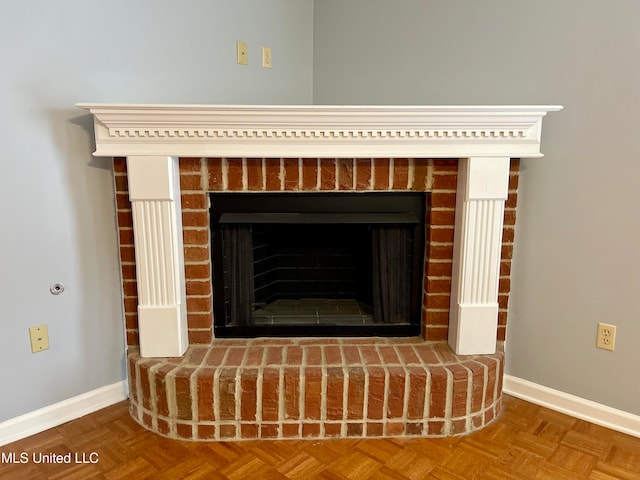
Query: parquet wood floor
[{"x": 526, "y": 442}]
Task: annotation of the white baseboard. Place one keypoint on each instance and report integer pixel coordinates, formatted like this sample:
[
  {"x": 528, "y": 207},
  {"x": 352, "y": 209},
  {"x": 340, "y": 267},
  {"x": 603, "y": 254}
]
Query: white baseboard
[
  {"x": 61, "y": 412},
  {"x": 571, "y": 405}
]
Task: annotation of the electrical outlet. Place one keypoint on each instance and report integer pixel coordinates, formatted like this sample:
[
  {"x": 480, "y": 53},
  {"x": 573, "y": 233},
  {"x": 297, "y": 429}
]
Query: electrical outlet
[
  {"x": 606, "y": 338},
  {"x": 39, "y": 338},
  {"x": 242, "y": 53},
  {"x": 266, "y": 57}
]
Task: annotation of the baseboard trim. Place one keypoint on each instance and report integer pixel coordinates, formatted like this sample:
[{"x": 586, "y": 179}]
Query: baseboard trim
[
  {"x": 61, "y": 412},
  {"x": 578, "y": 407}
]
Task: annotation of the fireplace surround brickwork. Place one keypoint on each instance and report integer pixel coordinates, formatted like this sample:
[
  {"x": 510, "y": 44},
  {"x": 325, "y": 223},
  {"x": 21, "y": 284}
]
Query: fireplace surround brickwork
[
  {"x": 198, "y": 176},
  {"x": 176, "y": 397}
]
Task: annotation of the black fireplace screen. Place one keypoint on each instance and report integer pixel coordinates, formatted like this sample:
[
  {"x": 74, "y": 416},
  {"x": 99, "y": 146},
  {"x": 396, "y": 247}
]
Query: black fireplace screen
[{"x": 325, "y": 264}]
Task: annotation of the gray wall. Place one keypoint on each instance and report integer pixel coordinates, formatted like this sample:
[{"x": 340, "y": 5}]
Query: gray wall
[
  {"x": 576, "y": 258},
  {"x": 56, "y": 201}
]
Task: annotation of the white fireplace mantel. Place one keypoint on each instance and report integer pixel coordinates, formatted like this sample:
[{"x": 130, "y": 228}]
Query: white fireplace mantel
[{"x": 153, "y": 137}]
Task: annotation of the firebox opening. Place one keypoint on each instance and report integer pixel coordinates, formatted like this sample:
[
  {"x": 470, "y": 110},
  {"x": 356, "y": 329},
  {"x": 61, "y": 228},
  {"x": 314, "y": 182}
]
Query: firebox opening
[{"x": 325, "y": 264}]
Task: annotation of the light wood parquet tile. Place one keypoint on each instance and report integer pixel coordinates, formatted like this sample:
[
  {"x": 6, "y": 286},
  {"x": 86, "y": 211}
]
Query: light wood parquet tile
[{"x": 526, "y": 442}]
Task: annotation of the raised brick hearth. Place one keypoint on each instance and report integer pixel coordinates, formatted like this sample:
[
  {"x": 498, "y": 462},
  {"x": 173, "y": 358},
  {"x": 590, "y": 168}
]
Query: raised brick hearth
[
  {"x": 315, "y": 388},
  {"x": 186, "y": 384}
]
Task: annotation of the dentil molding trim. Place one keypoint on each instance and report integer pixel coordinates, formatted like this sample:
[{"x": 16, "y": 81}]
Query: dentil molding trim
[{"x": 318, "y": 131}]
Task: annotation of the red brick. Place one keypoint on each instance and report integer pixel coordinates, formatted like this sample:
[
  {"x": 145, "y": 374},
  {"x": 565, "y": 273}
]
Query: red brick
[
  {"x": 438, "y": 285},
  {"x": 126, "y": 236},
  {"x": 195, "y": 237},
  {"x": 184, "y": 430},
  {"x": 381, "y": 167},
  {"x": 195, "y": 219},
  {"x": 351, "y": 354},
  {"x": 132, "y": 338},
  {"x": 327, "y": 174},
  {"x": 188, "y": 164},
  {"x": 294, "y": 355},
  {"x": 441, "y": 235},
  {"x": 183, "y": 393},
  {"x": 389, "y": 354},
  {"x": 309, "y": 174},
  {"x": 355, "y": 393},
  {"x": 274, "y": 179},
  {"x": 460, "y": 390},
  {"x": 370, "y": 355},
  {"x": 248, "y": 396},
  {"x": 122, "y": 201},
  {"x": 375, "y": 400},
  {"x": 443, "y": 217},
  {"x": 418, "y": 389},
  {"x": 227, "y": 393},
  {"x": 400, "y": 173},
  {"x": 310, "y": 430},
  {"x": 439, "y": 269},
  {"x": 227, "y": 431},
  {"x": 440, "y": 318},
  {"x": 159, "y": 383},
  {"x": 119, "y": 164},
  {"x": 439, "y": 301},
  {"x": 513, "y": 182},
  {"x": 268, "y": 431},
  {"x": 408, "y": 354},
  {"x": 438, "y": 397},
  {"x": 199, "y": 320},
  {"x": 420, "y": 174},
  {"x": 345, "y": 174},
  {"x": 234, "y": 174},
  {"x": 197, "y": 271},
  {"x": 313, "y": 393},
  {"x": 508, "y": 234},
  {"x": 292, "y": 393},
  {"x": 127, "y": 253},
  {"x": 445, "y": 164},
  {"x": 254, "y": 174},
  {"x": 198, "y": 304},
  {"x": 125, "y": 219},
  {"x": 443, "y": 199},
  {"x": 395, "y": 400},
  {"x": 441, "y": 252},
  {"x": 121, "y": 185},
  {"x": 290, "y": 430},
  {"x": 334, "y": 393},
  {"x": 363, "y": 174},
  {"x": 291, "y": 174},
  {"x": 190, "y": 182},
  {"x": 506, "y": 252},
  {"x": 375, "y": 429},
  {"x": 313, "y": 355},
  {"x": 332, "y": 355},
  {"x": 198, "y": 287},
  {"x": 200, "y": 337},
  {"x": 196, "y": 201},
  {"x": 216, "y": 355},
  {"x": 436, "y": 333},
  {"x": 332, "y": 429},
  {"x": 445, "y": 182},
  {"x": 206, "y": 432},
  {"x": 216, "y": 181},
  {"x": 509, "y": 217}
]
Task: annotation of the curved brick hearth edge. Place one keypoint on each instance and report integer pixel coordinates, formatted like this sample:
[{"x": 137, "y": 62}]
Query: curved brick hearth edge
[{"x": 273, "y": 388}]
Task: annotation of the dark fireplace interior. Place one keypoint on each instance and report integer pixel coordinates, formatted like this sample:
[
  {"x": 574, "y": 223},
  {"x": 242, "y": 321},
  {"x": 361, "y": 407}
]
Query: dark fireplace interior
[{"x": 317, "y": 264}]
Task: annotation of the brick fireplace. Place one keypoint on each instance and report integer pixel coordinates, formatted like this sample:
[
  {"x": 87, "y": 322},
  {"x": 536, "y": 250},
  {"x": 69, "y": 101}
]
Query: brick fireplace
[{"x": 186, "y": 384}]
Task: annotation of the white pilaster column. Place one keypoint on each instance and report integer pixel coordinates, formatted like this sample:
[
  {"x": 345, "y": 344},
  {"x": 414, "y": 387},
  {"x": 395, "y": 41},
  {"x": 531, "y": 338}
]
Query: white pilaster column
[
  {"x": 483, "y": 183},
  {"x": 154, "y": 190}
]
